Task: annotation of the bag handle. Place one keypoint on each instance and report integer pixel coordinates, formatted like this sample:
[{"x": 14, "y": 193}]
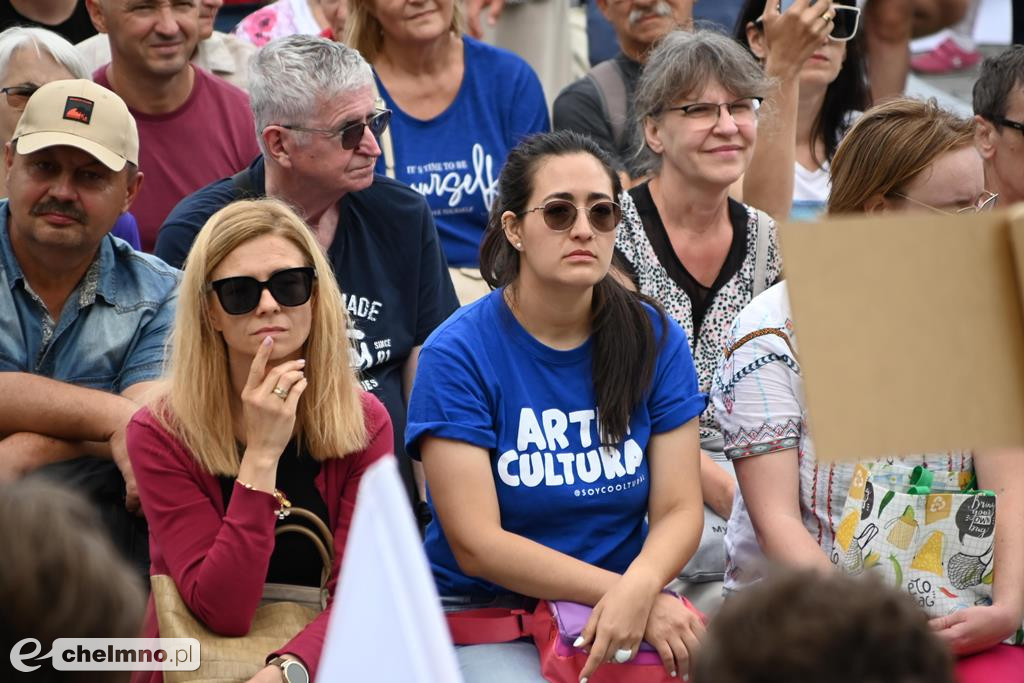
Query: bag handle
[
  {"x": 322, "y": 539},
  {"x": 764, "y": 222},
  {"x": 386, "y": 147},
  {"x": 760, "y": 333}
]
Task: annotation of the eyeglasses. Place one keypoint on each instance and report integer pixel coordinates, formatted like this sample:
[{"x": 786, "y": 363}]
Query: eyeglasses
[
  {"x": 743, "y": 111},
  {"x": 986, "y": 201},
  {"x": 560, "y": 214},
  {"x": 17, "y": 95},
  {"x": 289, "y": 287},
  {"x": 845, "y": 21},
  {"x": 1003, "y": 121},
  {"x": 352, "y": 134}
]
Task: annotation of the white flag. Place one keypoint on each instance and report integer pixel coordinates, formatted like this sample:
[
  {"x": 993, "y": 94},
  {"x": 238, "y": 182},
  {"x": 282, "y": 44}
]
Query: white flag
[{"x": 386, "y": 623}]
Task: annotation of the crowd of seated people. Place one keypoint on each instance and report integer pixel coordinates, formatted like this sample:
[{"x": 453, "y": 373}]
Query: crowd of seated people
[{"x": 239, "y": 267}]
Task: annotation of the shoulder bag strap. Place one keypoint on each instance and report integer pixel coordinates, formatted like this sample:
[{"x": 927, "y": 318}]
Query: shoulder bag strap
[
  {"x": 386, "y": 147},
  {"x": 611, "y": 87},
  {"x": 760, "y": 333},
  {"x": 242, "y": 182},
  {"x": 761, "y": 251}
]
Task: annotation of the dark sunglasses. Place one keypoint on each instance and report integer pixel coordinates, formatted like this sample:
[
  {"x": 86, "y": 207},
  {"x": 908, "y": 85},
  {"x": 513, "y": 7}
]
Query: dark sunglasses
[
  {"x": 560, "y": 214},
  {"x": 240, "y": 295},
  {"x": 1003, "y": 121},
  {"x": 17, "y": 95},
  {"x": 352, "y": 134}
]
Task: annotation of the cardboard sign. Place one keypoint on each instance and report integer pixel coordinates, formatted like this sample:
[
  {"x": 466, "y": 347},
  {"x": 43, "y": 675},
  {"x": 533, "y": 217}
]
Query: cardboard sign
[{"x": 911, "y": 331}]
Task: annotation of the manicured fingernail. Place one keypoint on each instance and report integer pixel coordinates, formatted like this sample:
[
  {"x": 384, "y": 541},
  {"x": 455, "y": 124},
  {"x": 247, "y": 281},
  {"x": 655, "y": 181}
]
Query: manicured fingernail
[
  {"x": 583, "y": 680},
  {"x": 268, "y": 340},
  {"x": 673, "y": 674},
  {"x": 302, "y": 362},
  {"x": 577, "y": 643}
]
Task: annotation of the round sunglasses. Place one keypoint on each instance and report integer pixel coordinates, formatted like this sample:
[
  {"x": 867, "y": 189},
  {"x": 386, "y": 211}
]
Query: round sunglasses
[
  {"x": 289, "y": 287},
  {"x": 352, "y": 134},
  {"x": 560, "y": 214}
]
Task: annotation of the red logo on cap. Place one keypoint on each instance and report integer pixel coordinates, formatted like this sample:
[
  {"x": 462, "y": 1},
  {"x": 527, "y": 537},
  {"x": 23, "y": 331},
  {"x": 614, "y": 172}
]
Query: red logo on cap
[{"x": 78, "y": 109}]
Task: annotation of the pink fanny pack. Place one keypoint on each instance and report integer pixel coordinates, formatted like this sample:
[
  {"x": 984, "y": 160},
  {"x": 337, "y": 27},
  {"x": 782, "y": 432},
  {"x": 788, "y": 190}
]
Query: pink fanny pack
[{"x": 554, "y": 627}]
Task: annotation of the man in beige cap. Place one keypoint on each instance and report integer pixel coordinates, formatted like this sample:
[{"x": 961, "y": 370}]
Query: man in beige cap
[{"x": 85, "y": 316}]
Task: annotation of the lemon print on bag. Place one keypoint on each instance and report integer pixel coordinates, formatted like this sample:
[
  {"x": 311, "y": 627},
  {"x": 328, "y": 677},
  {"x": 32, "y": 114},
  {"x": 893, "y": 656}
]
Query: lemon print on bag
[
  {"x": 844, "y": 535},
  {"x": 903, "y": 529},
  {"x": 929, "y": 555}
]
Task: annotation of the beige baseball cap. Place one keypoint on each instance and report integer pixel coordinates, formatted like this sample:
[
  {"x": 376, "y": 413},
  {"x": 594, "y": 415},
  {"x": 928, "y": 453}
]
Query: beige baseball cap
[{"x": 80, "y": 114}]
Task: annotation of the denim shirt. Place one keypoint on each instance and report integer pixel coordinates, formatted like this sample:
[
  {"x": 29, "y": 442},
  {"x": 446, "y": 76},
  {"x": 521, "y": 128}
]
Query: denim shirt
[{"x": 112, "y": 328}]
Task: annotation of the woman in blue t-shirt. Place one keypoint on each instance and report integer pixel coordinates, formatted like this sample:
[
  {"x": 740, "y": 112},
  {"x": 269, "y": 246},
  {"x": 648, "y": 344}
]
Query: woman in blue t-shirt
[
  {"x": 458, "y": 106},
  {"x": 534, "y": 495}
]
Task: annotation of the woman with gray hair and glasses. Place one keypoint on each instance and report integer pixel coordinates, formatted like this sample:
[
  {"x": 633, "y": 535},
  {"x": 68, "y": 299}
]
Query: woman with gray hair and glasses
[{"x": 684, "y": 241}]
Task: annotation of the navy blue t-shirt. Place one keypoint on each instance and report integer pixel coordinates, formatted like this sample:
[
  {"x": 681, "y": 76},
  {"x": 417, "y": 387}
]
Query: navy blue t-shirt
[
  {"x": 387, "y": 260},
  {"x": 533, "y": 409},
  {"x": 454, "y": 158}
]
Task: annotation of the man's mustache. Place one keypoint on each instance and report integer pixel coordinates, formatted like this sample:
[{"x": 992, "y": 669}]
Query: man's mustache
[
  {"x": 660, "y": 9},
  {"x": 65, "y": 208}
]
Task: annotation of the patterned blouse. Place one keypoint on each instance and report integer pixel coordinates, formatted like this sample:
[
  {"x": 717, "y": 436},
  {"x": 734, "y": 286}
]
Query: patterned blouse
[
  {"x": 758, "y": 393},
  {"x": 644, "y": 245}
]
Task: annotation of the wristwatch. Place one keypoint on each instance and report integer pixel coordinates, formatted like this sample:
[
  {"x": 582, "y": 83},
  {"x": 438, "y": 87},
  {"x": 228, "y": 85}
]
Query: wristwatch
[{"x": 293, "y": 670}]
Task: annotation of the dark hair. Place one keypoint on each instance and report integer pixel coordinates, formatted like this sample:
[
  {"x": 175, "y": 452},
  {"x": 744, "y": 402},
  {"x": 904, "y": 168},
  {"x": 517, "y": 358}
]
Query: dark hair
[
  {"x": 61, "y": 577},
  {"x": 624, "y": 345},
  {"x": 999, "y": 75},
  {"x": 797, "y": 625},
  {"x": 848, "y": 93}
]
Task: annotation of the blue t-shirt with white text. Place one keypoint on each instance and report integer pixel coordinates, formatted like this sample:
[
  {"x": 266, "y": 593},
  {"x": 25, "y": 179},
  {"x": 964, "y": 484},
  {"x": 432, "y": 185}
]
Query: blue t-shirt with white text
[
  {"x": 484, "y": 380},
  {"x": 454, "y": 158}
]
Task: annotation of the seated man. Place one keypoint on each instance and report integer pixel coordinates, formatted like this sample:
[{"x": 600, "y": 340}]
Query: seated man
[
  {"x": 29, "y": 58},
  {"x": 999, "y": 119},
  {"x": 85, "y": 316},
  {"x": 313, "y": 103},
  {"x": 222, "y": 54},
  {"x": 601, "y": 103},
  {"x": 193, "y": 127}
]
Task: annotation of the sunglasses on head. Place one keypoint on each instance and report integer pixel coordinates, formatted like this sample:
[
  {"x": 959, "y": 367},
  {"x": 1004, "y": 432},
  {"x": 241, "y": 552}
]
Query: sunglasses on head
[
  {"x": 560, "y": 214},
  {"x": 352, "y": 134},
  {"x": 289, "y": 287},
  {"x": 845, "y": 21}
]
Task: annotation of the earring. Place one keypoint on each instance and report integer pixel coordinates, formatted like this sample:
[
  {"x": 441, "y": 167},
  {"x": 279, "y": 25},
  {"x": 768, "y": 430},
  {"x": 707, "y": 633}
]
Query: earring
[{"x": 519, "y": 245}]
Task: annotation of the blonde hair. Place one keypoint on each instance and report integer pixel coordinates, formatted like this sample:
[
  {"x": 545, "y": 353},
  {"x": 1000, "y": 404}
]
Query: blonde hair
[
  {"x": 364, "y": 33},
  {"x": 197, "y": 392},
  {"x": 888, "y": 146}
]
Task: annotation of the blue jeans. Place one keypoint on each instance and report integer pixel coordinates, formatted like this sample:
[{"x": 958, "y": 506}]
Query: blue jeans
[{"x": 515, "y": 662}]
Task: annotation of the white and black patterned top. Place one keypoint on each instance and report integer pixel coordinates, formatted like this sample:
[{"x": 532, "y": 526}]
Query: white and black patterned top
[{"x": 705, "y": 313}]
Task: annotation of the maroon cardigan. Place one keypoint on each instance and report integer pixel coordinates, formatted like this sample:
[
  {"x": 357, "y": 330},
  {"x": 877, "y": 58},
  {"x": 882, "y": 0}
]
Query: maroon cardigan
[{"x": 218, "y": 559}]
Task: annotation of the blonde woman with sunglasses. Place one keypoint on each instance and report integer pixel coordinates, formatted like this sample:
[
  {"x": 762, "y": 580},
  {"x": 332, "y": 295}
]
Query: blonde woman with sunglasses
[{"x": 260, "y": 412}]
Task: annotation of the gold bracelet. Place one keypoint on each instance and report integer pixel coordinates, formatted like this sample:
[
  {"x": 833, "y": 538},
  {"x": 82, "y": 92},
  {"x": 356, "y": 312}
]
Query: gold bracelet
[{"x": 285, "y": 508}]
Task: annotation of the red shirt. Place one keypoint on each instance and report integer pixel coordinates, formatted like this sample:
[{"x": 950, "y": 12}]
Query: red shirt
[
  {"x": 210, "y": 137},
  {"x": 218, "y": 558}
]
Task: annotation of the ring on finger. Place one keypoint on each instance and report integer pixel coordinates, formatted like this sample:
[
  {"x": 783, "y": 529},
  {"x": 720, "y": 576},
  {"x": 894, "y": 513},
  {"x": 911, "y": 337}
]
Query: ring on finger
[
  {"x": 622, "y": 656},
  {"x": 280, "y": 393}
]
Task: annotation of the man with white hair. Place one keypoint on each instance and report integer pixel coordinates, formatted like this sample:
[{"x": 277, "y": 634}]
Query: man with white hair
[
  {"x": 314, "y": 107},
  {"x": 222, "y": 54},
  {"x": 601, "y": 103}
]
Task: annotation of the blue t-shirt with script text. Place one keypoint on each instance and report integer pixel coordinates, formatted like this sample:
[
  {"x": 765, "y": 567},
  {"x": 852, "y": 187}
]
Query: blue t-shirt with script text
[
  {"x": 454, "y": 158},
  {"x": 484, "y": 380}
]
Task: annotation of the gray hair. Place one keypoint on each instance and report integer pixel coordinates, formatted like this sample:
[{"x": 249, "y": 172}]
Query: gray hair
[
  {"x": 44, "y": 42},
  {"x": 999, "y": 75},
  {"x": 289, "y": 78},
  {"x": 684, "y": 63}
]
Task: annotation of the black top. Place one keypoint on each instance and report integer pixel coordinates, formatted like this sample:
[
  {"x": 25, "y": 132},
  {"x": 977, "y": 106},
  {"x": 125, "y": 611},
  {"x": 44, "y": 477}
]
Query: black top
[
  {"x": 295, "y": 559},
  {"x": 75, "y": 28},
  {"x": 578, "y": 107},
  {"x": 700, "y": 296},
  {"x": 388, "y": 262}
]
